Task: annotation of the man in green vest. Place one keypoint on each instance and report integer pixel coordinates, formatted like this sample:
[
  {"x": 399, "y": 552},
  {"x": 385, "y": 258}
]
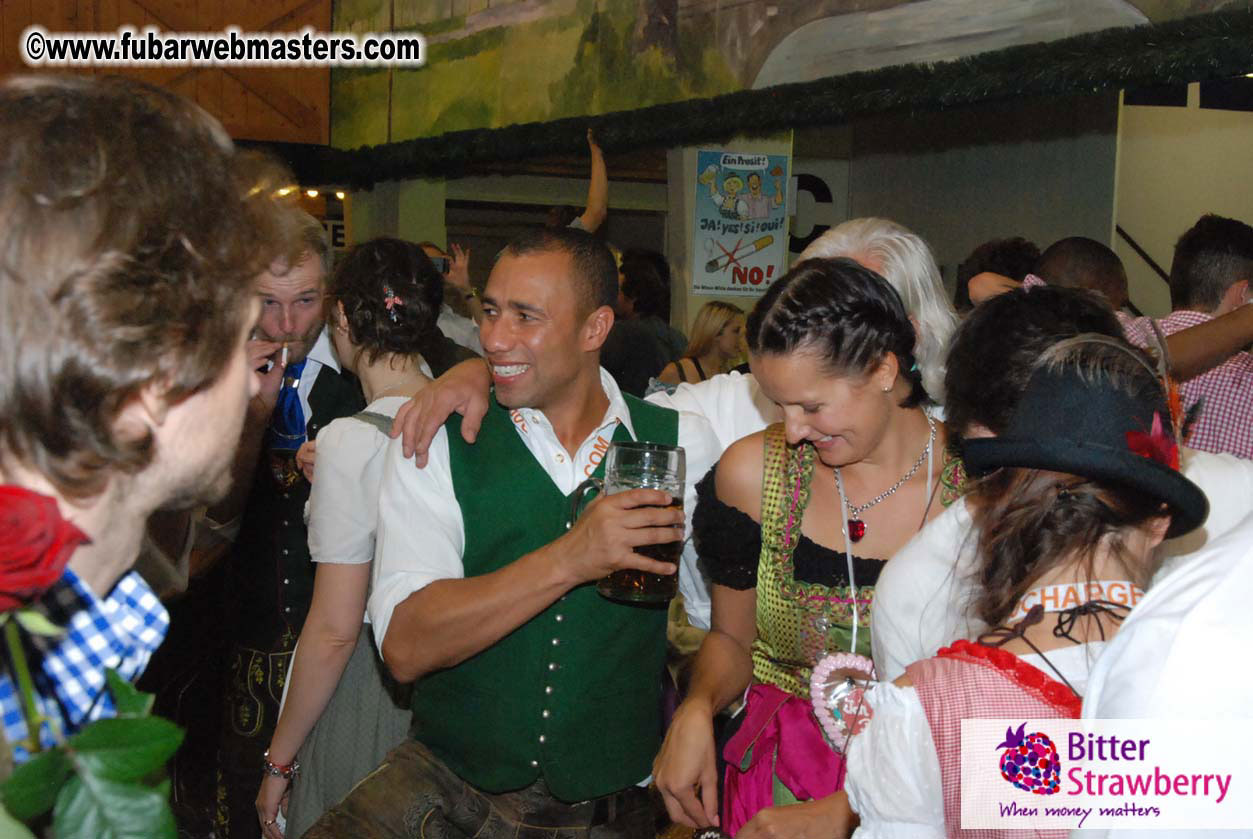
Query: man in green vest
[{"x": 537, "y": 703}]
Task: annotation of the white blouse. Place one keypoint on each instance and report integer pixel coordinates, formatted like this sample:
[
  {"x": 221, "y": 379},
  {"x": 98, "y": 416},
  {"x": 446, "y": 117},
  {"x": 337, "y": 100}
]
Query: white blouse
[
  {"x": 893, "y": 771},
  {"x": 347, "y": 474}
]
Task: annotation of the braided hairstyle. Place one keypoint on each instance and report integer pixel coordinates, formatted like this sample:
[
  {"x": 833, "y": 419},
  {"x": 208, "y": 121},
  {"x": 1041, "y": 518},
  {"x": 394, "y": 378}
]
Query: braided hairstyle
[
  {"x": 844, "y": 313},
  {"x": 391, "y": 293}
]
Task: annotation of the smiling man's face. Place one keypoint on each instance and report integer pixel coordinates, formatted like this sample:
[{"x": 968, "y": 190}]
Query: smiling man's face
[{"x": 533, "y": 320}]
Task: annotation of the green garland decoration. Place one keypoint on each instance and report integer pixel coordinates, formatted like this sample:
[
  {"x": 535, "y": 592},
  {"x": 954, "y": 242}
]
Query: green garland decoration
[{"x": 1199, "y": 48}]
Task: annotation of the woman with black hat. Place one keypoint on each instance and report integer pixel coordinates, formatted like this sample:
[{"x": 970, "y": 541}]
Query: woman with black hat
[{"x": 1069, "y": 505}]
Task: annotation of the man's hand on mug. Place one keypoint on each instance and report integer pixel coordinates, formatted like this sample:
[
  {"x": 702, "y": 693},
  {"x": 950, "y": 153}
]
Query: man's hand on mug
[{"x": 604, "y": 538}]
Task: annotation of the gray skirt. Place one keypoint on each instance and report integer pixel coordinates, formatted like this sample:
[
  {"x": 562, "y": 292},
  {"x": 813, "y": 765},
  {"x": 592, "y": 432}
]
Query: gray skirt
[{"x": 368, "y": 715}]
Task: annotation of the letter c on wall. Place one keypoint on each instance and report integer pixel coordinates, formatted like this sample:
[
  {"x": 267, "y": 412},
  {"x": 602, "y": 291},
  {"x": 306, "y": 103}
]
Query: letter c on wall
[{"x": 818, "y": 188}]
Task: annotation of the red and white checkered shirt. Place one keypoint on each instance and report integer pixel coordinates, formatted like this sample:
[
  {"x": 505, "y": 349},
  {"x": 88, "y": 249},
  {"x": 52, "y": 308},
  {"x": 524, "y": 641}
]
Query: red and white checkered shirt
[
  {"x": 1225, "y": 423},
  {"x": 970, "y": 681}
]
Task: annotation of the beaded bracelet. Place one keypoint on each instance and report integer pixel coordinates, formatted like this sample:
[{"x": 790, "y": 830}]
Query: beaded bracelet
[{"x": 287, "y": 771}]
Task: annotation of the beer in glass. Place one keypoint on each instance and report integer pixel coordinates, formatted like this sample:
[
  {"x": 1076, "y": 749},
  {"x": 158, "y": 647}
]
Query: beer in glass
[{"x": 630, "y": 465}]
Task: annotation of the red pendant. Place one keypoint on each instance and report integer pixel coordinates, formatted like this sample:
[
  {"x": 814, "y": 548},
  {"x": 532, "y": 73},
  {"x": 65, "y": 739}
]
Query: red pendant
[{"x": 856, "y": 529}]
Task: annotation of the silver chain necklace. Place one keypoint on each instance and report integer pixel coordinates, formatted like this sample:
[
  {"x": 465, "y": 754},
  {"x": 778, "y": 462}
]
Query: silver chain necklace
[{"x": 857, "y": 527}]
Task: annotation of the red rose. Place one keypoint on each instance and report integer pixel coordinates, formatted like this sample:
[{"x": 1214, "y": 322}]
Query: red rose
[{"x": 35, "y": 545}]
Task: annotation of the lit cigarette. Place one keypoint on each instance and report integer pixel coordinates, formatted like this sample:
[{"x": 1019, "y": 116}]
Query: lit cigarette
[
  {"x": 282, "y": 359},
  {"x": 722, "y": 261}
]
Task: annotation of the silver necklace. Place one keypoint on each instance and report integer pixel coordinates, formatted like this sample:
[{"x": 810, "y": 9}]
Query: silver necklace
[{"x": 857, "y": 527}]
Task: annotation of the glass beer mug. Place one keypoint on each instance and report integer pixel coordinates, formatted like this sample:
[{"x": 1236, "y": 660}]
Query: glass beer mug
[{"x": 631, "y": 465}]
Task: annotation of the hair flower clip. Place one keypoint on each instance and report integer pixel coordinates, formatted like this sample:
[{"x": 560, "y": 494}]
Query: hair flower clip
[
  {"x": 390, "y": 300},
  {"x": 1156, "y": 444}
]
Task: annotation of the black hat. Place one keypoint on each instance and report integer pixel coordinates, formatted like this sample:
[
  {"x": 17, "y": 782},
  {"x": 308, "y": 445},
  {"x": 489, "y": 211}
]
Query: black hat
[{"x": 1078, "y": 423}]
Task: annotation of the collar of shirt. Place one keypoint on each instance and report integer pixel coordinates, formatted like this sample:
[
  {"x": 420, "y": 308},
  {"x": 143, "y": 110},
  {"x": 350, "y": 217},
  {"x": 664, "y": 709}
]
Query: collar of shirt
[
  {"x": 1183, "y": 319},
  {"x": 1139, "y": 331},
  {"x": 120, "y": 632},
  {"x": 540, "y": 439},
  {"x": 321, "y": 355}
]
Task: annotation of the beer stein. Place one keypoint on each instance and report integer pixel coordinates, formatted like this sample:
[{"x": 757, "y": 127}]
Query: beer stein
[{"x": 630, "y": 465}]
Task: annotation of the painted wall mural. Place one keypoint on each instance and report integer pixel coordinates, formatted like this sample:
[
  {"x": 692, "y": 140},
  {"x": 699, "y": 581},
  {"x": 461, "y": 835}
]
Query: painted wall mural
[{"x": 493, "y": 63}]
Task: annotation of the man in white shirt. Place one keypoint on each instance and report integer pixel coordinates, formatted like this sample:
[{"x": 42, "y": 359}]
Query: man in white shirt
[
  {"x": 1181, "y": 652},
  {"x": 536, "y": 697},
  {"x": 922, "y": 597}
]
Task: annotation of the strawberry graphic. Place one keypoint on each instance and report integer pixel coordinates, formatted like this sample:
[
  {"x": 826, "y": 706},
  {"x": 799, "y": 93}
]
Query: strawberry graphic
[{"x": 1030, "y": 762}]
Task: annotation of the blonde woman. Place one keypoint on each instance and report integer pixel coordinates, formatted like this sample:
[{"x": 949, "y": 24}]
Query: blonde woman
[{"x": 717, "y": 340}]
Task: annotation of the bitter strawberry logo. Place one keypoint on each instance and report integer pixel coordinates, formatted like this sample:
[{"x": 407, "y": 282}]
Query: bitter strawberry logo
[{"x": 1030, "y": 762}]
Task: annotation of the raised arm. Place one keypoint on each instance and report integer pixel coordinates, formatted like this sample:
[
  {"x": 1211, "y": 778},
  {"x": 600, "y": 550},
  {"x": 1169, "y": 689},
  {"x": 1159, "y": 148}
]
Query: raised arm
[
  {"x": 597, "y": 189},
  {"x": 1193, "y": 350},
  {"x": 459, "y": 277},
  {"x": 1205, "y": 346}
]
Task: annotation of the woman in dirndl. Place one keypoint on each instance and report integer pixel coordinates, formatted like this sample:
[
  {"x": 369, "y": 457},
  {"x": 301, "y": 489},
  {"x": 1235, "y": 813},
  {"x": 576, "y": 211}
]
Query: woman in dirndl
[{"x": 793, "y": 527}]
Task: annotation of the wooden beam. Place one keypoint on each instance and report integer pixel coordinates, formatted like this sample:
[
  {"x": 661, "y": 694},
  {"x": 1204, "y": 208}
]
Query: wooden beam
[{"x": 276, "y": 96}]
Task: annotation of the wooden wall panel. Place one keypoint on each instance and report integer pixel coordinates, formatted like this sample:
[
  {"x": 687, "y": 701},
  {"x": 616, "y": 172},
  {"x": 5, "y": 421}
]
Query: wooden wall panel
[
  {"x": 254, "y": 103},
  {"x": 16, "y": 16}
]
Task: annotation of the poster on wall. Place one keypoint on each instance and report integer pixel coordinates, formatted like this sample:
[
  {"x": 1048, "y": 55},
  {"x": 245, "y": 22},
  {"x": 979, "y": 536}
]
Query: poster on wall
[{"x": 741, "y": 231}]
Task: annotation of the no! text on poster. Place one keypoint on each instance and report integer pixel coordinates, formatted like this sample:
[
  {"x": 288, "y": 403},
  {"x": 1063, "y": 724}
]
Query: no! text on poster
[{"x": 741, "y": 231}]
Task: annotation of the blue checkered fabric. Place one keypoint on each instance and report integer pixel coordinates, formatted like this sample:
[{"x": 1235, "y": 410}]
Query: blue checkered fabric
[{"x": 120, "y": 631}]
